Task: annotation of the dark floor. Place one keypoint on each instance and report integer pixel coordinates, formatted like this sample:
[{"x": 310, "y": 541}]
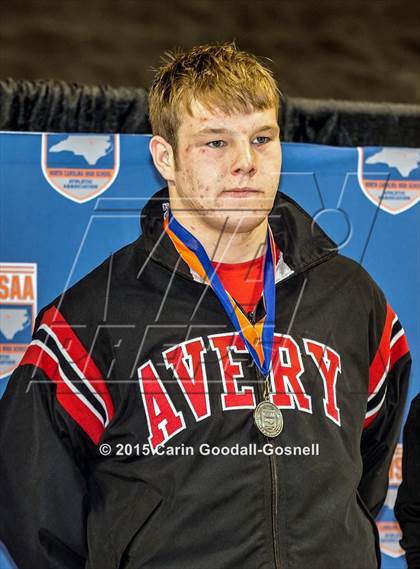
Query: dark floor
[{"x": 367, "y": 50}]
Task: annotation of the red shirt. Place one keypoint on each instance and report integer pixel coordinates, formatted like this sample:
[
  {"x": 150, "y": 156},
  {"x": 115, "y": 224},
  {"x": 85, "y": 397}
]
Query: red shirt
[{"x": 244, "y": 281}]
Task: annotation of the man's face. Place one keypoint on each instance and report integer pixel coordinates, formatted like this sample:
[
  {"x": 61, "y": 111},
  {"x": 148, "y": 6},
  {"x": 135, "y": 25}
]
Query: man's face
[{"x": 227, "y": 169}]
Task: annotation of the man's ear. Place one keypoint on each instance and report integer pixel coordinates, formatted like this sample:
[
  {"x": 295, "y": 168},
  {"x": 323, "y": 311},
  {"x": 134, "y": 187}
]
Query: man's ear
[{"x": 163, "y": 157}]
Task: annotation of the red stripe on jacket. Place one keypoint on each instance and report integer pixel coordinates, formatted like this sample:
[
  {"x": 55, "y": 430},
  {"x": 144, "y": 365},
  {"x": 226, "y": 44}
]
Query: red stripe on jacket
[
  {"x": 386, "y": 356},
  {"x": 398, "y": 350},
  {"x": 381, "y": 359},
  {"x": 35, "y": 355},
  {"x": 78, "y": 355}
]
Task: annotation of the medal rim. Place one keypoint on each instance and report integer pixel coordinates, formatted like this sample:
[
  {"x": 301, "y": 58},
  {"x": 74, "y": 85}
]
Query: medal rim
[{"x": 278, "y": 412}]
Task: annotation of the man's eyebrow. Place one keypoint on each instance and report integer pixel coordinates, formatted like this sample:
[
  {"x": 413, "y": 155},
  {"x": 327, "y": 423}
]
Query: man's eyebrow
[
  {"x": 267, "y": 127},
  {"x": 227, "y": 131},
  {"x": 213, "y": 131}
]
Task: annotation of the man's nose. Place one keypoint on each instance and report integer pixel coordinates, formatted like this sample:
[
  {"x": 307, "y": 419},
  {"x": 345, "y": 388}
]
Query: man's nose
[{"x": 244, "y": 160}]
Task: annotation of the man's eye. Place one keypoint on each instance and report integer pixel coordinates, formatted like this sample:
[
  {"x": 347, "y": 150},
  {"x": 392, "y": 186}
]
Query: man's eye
[
  {"x": 216, "y": 144},
  {"x": 262, "y": 139}
]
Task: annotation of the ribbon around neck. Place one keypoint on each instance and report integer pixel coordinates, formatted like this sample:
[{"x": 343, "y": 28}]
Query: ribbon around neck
[{"x": 258, "y": 337}]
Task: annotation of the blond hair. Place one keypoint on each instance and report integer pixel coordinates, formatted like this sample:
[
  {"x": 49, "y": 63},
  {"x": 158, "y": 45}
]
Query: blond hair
[{"x": 218, "y": 76}]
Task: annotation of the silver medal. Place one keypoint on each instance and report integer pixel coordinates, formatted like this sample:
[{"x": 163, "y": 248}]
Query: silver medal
[{"x": 268, "y": 419}]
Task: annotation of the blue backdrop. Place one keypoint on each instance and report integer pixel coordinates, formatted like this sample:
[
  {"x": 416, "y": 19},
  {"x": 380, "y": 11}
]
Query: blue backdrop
[{"x": 67, "y": 201}]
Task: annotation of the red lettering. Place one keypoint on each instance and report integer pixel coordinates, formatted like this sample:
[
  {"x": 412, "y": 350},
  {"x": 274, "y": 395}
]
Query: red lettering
[
  {"x": 162, "y": 418},
  {"x": 233, "y": 396},
  {"x": 287, "y": 367},
  {"x": 328, "y": 363},
  {"x": 186, "y": 361}
]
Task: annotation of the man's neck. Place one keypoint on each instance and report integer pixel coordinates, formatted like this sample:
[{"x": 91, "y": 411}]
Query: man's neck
[{"x": 227, "y": 247}]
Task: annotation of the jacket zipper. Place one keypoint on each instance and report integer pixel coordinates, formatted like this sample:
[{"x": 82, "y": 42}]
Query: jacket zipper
[
  {"x": 273, "y": 464},
  {"x": 273, "y": 471}
]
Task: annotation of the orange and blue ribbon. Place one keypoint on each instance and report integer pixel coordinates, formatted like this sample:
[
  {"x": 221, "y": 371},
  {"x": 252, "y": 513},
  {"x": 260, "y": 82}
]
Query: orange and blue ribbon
[{"x": 258, "y": 337}]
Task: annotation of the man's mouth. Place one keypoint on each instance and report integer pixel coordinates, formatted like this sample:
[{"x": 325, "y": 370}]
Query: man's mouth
[{"x": 240, "y": 192}]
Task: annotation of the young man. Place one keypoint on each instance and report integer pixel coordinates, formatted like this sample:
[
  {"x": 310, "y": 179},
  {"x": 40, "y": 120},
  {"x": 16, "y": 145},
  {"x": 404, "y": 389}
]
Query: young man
[{"x": 175, "y": 412}]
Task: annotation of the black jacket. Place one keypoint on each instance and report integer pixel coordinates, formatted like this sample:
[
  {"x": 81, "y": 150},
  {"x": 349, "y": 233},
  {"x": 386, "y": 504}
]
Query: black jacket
[{"x": 141, "y": 356}]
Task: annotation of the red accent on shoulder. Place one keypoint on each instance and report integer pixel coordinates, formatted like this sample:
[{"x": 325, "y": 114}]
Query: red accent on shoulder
[
  {"x": 381, "y": 359},
  {"x": 398, "y": 350},
  {"x": 70, "y": 401},
  {"x": 385, "y": 357},
  {"x": 78, "y": 354}
]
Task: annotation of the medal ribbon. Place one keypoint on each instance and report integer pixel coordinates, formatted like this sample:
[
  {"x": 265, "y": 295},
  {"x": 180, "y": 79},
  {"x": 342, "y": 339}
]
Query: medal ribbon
[{"x": 258, "y": 338}]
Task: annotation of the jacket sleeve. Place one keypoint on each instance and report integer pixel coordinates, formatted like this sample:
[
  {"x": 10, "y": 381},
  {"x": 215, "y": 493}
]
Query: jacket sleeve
[
  {"x": 407, "y": 506},
  {"x": 52, "y": 416},
  {"x": 387, "y": 393}
]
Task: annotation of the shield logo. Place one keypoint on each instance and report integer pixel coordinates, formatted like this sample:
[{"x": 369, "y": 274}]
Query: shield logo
[
  {"x": 390, "y": 177},
  {"x": 18, "y": 296},
  {"x": 80, "y": 166}
]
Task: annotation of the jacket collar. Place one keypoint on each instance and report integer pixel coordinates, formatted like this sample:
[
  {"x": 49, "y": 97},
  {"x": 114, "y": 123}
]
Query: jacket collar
[{"x": 302, "y": 242}]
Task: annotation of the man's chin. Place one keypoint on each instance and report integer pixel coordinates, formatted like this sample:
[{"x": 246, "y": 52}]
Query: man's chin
[
  {"x": 237, "y": 221},
  {"x": 251, "y": 203}
]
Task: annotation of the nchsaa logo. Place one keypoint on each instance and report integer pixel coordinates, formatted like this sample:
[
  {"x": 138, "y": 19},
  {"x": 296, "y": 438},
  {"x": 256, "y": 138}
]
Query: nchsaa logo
[
  {"x": 18, "y": 296},
  {"x": 390, "y": 177},
  {"x": 80, "y": 166}
]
